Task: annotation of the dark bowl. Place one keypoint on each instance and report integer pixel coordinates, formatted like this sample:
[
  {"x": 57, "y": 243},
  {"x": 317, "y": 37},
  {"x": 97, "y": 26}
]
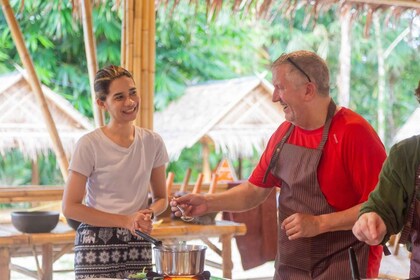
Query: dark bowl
[
  {"x": 35, "y": 221},
  {"x": 73, "y": 223}
]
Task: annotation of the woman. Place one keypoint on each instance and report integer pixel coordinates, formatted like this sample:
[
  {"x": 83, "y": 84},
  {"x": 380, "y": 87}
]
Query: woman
[{"x": 111, "y": 170}]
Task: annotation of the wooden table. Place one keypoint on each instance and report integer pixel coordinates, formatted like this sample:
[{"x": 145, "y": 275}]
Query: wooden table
[{"x": 60, "y": 241}]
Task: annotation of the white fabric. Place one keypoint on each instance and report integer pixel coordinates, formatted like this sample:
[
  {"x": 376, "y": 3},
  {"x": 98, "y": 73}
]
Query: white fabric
[{"x": 118, "y": 177}]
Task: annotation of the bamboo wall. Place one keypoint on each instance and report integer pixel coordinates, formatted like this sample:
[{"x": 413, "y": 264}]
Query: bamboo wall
[{"x": 138, "y": 53}]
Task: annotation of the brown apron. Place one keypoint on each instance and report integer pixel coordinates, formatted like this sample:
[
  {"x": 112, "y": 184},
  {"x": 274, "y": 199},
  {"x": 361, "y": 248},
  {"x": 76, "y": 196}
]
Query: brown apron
[
  {"x": 324, "y": 256},
  {"x": 411, "y": 230}
]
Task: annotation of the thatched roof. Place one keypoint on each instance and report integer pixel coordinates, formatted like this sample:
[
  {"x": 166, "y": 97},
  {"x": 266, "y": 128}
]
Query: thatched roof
[
  {"x": 410, "y": 128},
  {"x": 237, "y": 115},
  {"x": 22, "y": 125},
  {"x": 287, "y": 8}
]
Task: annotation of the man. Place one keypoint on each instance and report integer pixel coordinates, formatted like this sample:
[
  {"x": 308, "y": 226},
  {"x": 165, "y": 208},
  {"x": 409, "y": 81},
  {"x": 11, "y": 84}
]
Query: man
[
  {"x": 326, "y": 160},
  {"x": 394, "y": 205}
]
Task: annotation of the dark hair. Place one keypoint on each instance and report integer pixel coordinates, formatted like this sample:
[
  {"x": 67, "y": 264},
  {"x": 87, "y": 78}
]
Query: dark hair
[
  {"x": 417, "y": 92},
  {"x": 308, "y": 64},
  {"x": 105, "y": 76}
]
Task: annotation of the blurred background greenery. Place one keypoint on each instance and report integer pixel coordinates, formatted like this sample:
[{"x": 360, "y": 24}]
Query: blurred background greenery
[{"x": 192, "y": 48}]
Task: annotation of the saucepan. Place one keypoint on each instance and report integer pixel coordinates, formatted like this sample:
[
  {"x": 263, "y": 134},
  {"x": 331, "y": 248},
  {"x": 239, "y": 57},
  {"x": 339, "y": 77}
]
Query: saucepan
[{"x": 177, "y": 260}]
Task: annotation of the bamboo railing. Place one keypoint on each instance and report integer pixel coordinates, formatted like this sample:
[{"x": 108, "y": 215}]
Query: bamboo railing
[{"x": 138, "y": 53}]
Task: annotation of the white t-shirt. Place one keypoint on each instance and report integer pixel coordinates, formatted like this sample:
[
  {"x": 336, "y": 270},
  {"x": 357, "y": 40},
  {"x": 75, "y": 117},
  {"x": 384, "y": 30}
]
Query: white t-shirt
[{"x": 118, "y": 178}]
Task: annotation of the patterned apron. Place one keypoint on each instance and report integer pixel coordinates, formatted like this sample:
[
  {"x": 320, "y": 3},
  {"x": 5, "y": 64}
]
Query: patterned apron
[
  {"x": 411, "y": 230},
  {"x": 324, "y": 256}
]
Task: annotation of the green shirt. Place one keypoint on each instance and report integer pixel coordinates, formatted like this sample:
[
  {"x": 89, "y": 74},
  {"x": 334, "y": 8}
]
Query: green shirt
[{"x": 395, "y": 189}]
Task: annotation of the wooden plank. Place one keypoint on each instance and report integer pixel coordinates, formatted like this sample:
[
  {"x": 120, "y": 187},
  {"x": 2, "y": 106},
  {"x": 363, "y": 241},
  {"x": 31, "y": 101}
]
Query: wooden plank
[
  {"x": 4, "y": 263},
  {"x": 398, "y": 3},
  {"x": 55, "y": 193}
]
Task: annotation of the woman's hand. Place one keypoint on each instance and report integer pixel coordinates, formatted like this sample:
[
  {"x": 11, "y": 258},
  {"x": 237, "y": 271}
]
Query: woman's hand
[{"x": 141, "y": 220}]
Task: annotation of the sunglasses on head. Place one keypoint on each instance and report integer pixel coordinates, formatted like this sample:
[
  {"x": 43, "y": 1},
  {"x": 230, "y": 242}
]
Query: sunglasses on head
[{"x": 298, "y": 67}]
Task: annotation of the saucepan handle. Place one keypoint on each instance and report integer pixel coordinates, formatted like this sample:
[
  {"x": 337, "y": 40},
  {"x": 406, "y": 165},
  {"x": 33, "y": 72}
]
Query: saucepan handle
[{"x": 156, "y": 242}]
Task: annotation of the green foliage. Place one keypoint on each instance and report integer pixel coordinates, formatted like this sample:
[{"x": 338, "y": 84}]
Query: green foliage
[
  {"x": 14, "y": 169},
  {"x": 191, "y": 48}
]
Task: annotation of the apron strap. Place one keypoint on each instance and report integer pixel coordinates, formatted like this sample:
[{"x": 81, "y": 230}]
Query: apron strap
[
  {"x": 277, "y": 150},
  {"x": 331, "y": 111}
]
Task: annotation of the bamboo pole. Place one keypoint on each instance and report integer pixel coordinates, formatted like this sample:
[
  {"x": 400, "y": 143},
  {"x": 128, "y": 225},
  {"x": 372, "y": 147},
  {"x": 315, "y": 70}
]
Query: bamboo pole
[
  {"x": 129, "y": 35},
  {"x": 145, "y": 53},
  {"x": 123, "y": 34},
  {"x": 90, "y": 47},
  {"x": 144, "y": 64},
  {"x": 152, "y": 61},
  {"x": 36, "y": 86},
  {"x": 139, "y": 53},
  {"x": 137, "y": 56}
]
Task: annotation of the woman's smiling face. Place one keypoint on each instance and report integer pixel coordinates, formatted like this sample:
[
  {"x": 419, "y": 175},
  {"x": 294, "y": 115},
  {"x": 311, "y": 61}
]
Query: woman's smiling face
[{"x": 122, "y": 101}]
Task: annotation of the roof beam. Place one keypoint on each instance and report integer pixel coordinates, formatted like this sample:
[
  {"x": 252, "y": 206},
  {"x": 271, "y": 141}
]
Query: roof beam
[{"x": 400, "y": 3}]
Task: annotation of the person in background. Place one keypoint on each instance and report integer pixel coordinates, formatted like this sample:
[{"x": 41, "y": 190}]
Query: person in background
[
  {"x": 394, "y": 205},
  {"x": 114, "y": 166},
  {"x": 326, "y": 160}
]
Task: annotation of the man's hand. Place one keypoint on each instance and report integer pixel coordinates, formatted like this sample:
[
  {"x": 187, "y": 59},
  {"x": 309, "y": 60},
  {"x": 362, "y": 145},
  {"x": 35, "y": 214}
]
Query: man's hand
[
  {"x": 301, "y": 225},
  {"x": 192, "y": 204},
  {"x": 370, "y": 228}
]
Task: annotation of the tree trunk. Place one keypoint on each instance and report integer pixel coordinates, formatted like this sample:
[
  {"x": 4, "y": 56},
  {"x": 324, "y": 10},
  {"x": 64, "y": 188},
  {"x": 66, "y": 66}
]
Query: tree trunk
[
  {"x": 382, "y": 106},
  {"x": 343, "y": 78}
]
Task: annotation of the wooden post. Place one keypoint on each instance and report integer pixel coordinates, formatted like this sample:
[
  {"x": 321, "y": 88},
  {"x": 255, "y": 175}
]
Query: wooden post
[
  {"x": 36, "y": 86},
  {"x": 35, "y": 172},
  {"x": 90, "y": 47},
  {"x": 206, "y": 155}
]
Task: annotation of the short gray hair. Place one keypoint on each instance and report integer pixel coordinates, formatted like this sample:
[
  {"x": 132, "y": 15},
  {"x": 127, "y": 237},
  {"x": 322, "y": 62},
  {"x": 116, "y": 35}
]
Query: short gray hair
[{"x": 310, "y": 64}]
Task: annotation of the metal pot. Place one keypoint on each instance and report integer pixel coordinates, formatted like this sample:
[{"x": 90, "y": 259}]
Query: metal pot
[{"x": 177, "y": 260}]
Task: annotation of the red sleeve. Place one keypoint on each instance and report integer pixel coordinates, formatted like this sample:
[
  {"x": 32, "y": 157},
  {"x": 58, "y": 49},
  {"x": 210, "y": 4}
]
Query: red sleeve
[{"x": 257, "y": 175}]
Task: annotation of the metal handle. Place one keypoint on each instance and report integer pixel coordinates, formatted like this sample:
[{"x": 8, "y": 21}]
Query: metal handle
[
  {"x": 353, "y": 265},
  {"x": 156, "y": 242}
]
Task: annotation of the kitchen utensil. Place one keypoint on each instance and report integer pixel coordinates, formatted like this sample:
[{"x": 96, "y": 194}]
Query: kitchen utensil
[
  {"x": 180, "y": 260},
  {"x": 184, "y": 217},
  {"x": 353, "y": 265},
  {"x": 154, "y": 241}
]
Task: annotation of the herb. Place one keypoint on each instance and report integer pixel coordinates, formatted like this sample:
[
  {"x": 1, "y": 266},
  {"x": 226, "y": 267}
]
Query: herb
[{"x": 139, "y": 275}]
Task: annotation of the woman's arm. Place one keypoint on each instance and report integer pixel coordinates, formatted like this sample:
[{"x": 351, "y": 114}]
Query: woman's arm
[
  {"x": 74, "y": 208},
  {"x": 158, "y": 189}
]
